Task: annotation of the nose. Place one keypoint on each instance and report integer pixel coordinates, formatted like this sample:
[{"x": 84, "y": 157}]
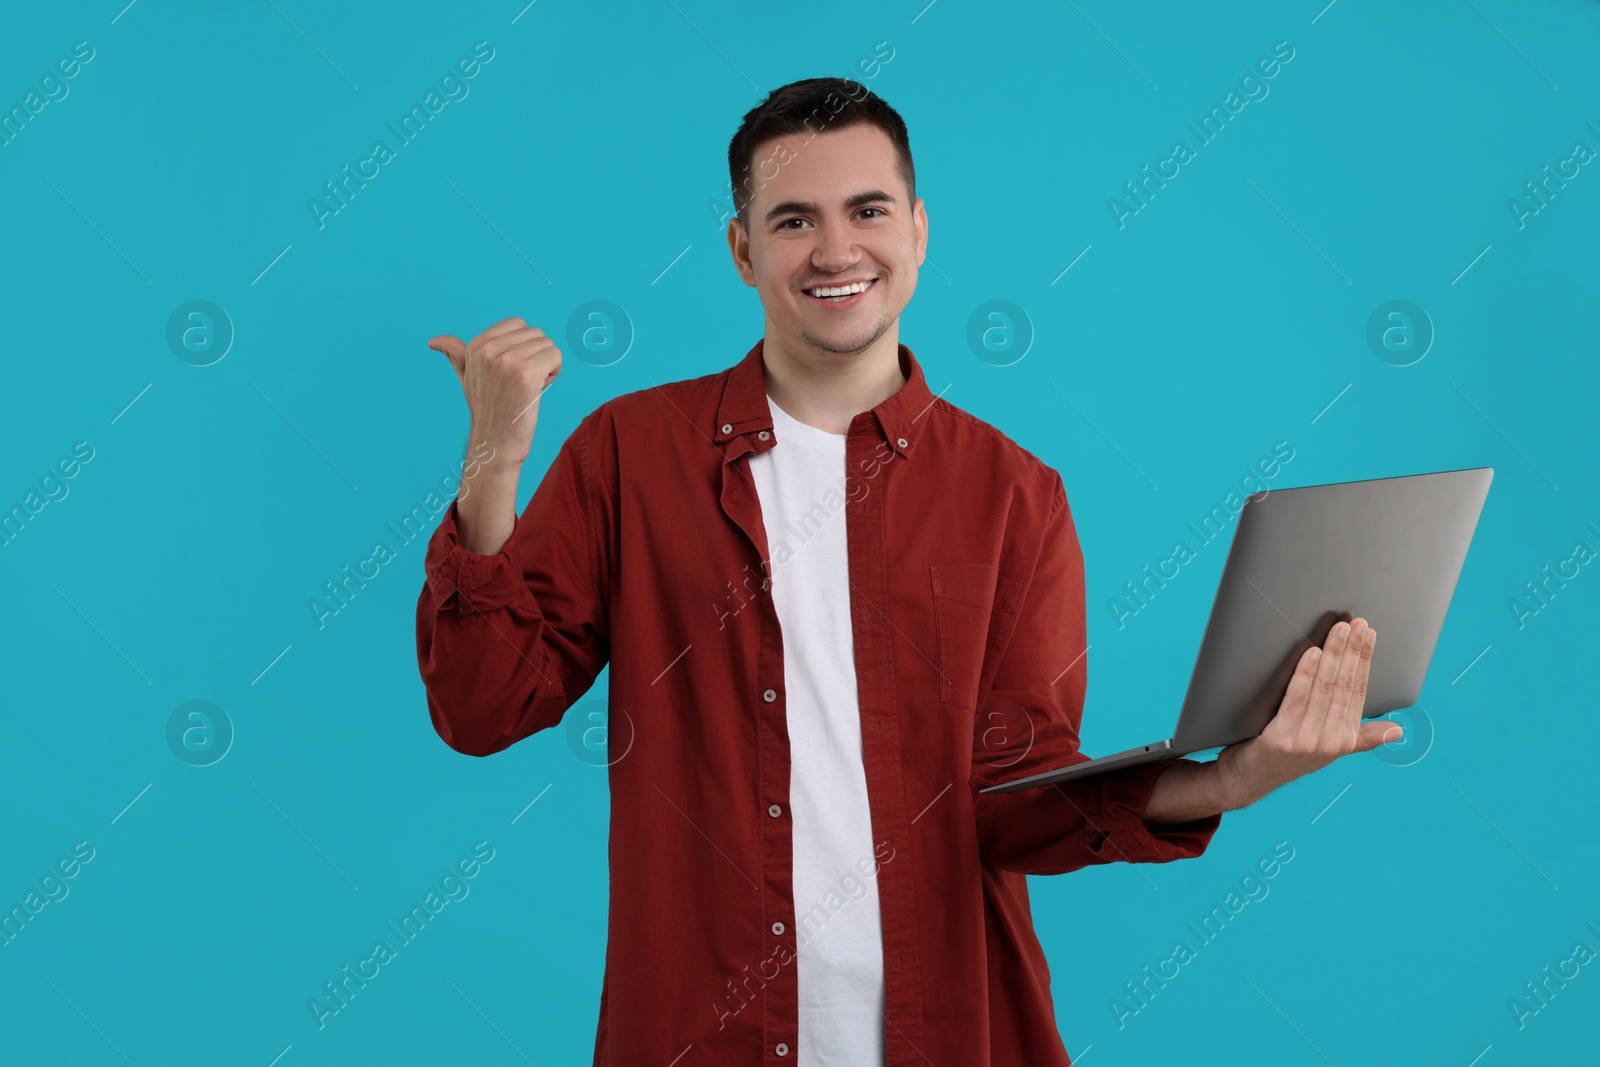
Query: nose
[{"x": 835, "y": 251}]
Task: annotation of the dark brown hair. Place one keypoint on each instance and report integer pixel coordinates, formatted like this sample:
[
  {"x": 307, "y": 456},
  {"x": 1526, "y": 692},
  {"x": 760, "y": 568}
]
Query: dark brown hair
[{"x": 811, "y": 107}]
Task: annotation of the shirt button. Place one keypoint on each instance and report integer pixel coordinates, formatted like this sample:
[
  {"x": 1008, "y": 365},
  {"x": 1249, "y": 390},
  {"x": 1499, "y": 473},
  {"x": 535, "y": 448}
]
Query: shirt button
[
  {"x": 774, "y": 811},
  {"x": 769, "y": 695},
  {"x": 727, "y": 427},
  {"x": 763, "y": 435},
  {"x": 782, "y": 1049},
  {"x": 901, "y": 442},
  {"x": 777, "y": 928}
]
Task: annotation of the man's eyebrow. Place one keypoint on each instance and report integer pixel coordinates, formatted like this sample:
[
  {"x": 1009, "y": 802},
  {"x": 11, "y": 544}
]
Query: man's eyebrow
[{"x": 798, "y": 207}]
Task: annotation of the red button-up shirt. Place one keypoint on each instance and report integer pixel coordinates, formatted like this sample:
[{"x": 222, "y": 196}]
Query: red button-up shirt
[{"x": 644, "y": 546}]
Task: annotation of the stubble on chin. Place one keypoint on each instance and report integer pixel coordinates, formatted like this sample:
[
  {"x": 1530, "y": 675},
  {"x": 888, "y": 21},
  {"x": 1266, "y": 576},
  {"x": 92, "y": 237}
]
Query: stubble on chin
[{"x": 845, "y": 345}]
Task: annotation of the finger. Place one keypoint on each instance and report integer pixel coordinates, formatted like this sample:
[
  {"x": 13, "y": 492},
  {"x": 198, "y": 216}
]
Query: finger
[
  {"x": 503, "y": 326},
  {"x": 1293, "y": 708},
  {"x": 1344, "y": 719},
  {"x": 544, "y": 387},
  {"x": 1358, "y": 690},
  {"x": 539, "y": 357},
  {"x": 1327, "y": 680},
  {"x": 1375, "y": 732},
  {"x": 1349, "y": 659},
  {"x": 522, "y": 342},
  {"x": 454, "y": 350}
]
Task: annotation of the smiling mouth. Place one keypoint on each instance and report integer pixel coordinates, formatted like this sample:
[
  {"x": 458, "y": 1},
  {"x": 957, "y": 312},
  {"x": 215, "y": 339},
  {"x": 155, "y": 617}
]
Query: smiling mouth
[{"x": 841, "y": 294}]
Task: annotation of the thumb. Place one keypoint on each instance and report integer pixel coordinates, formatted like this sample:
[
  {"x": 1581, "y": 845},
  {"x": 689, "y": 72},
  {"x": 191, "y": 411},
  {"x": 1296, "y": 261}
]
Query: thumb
[
  {"x": 454, "y": 350},
  {"x": 1376, "y": 732}
]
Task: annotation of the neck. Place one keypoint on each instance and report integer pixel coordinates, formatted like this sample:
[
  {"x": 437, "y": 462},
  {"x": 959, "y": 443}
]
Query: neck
[{"x": 828, "y": 389}]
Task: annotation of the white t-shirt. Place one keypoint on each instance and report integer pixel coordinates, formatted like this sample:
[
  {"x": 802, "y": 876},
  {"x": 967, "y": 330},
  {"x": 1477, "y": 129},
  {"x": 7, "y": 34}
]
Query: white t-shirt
[{"x": 838, "y": 929}]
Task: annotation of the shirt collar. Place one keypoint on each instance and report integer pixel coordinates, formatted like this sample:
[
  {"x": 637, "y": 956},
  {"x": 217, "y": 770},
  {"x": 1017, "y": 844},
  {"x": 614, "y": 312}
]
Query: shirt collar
[{"x": 744, "y": 409}]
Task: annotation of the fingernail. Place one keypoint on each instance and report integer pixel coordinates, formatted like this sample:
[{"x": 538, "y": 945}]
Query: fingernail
[{"x": 1316, "y": 654}]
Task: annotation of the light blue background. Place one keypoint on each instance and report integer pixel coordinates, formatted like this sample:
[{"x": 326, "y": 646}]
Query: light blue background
[{"x": 588, "y": 162}]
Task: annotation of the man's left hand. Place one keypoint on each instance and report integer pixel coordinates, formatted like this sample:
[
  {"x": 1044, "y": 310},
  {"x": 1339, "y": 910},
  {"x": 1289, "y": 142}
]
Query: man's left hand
[{"x": 1318, "y": 721}]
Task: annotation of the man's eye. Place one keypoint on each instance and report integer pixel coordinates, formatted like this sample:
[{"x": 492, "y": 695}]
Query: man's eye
[{"x": 880, "y": 212}]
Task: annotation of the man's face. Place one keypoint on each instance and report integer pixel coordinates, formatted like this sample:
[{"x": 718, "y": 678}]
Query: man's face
[{"x": 825, "y": 213}]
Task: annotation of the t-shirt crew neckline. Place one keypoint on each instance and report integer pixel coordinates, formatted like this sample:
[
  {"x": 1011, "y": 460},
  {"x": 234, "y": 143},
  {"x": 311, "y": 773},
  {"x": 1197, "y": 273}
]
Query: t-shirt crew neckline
[{"x": 805, "y": 429}]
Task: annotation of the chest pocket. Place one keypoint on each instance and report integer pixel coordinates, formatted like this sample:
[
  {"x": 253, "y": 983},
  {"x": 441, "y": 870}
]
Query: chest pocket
[{"x": 974, "y": 610}]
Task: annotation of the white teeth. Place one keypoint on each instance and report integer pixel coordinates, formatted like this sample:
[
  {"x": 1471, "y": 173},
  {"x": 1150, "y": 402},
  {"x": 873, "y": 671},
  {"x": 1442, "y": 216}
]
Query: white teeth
[{"x": 840, "y": 290}]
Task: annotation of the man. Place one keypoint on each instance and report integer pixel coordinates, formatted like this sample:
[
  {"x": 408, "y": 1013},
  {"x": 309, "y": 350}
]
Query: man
[{"x": 835, "y": 607}]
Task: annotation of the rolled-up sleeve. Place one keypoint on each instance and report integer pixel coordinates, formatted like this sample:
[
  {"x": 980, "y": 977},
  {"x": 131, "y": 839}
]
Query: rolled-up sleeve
[
  {"x": 506, "y": 643},
  {"x": 1028, "y": 723}
]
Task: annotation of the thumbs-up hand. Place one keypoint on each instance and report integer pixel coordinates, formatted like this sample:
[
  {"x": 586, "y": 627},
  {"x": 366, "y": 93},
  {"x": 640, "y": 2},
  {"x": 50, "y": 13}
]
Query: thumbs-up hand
[{"x": 503, "y": 372}]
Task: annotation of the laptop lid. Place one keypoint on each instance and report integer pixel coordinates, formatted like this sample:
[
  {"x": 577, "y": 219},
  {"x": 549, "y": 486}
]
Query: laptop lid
[{"x": 1386, "y": 549}]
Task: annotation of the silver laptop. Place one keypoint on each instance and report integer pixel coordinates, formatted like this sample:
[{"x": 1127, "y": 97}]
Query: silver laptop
[{"x": 1386, "y": 549}]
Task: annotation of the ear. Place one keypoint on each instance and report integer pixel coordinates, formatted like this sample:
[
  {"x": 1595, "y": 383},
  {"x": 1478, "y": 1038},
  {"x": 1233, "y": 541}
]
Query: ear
[
  {"x": 739, "y": 247},
  {"x": 919, "y": 223}
]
